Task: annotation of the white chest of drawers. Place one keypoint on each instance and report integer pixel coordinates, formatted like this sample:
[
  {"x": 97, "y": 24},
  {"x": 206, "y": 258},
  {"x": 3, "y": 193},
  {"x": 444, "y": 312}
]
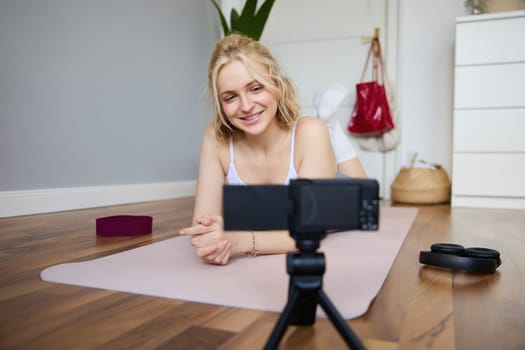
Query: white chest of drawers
[{"x": 488, "y": 161}]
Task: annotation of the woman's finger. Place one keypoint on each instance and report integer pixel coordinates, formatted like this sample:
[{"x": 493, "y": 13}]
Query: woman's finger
[
  {"x": 196, "y": 230},
  {"x": 204, "y": 252},
  {"x": 223, "y": 253},
  {"x": 205, "y": 220},
  {"x": 205, "y": 224}
]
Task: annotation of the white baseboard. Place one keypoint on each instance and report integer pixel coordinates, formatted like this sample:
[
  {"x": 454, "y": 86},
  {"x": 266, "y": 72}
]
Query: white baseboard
[
  {"x": 487, "y": 202},
  {"x": 16, "y": 203}
]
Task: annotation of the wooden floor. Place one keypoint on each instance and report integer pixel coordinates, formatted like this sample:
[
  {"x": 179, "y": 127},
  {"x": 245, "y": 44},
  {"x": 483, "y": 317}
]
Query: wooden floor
[{"x": 417, "y": 308}]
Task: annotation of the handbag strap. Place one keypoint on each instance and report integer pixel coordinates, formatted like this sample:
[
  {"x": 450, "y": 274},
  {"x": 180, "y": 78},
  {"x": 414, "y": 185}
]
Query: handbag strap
[
  {"x": 377, "y": 65},
  {"x": 379, "y": 58}
]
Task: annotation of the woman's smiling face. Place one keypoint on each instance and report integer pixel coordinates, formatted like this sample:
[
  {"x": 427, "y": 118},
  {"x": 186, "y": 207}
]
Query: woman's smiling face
[{"x": 248, "y": 105}]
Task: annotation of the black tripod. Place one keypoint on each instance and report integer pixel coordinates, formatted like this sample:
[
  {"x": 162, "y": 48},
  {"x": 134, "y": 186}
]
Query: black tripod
[{"x": 305, "y": 292}]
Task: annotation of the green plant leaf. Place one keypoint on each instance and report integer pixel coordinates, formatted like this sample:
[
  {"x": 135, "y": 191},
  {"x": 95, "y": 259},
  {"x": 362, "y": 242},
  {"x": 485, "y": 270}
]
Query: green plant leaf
[
  {"x": 250, "y": 22},
  {"x": 261, "y": 17},
  {"x": 224, "y": 24},
  {"x": 247, "y": 18},
  {"x": 235, "y": 21},
  {"x": 249, "y": 8}
]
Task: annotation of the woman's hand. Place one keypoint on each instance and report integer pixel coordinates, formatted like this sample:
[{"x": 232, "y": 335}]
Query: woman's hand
[{"x": 209, "y": 240}]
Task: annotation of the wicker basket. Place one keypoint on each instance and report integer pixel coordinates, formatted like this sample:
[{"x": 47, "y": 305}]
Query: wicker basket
[{"x": 421, "y": 186}]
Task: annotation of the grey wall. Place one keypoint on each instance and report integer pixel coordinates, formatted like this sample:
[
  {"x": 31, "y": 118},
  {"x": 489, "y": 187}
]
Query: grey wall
[{"x": 102, "y": 92}]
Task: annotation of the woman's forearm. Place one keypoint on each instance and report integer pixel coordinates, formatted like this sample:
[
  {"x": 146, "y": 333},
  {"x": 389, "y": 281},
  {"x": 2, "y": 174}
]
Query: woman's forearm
[{"x": 261, "y": 242}]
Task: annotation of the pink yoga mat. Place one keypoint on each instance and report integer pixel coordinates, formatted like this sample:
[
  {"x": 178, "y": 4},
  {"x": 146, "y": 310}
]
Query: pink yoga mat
[{"x": 357, "y": 263}]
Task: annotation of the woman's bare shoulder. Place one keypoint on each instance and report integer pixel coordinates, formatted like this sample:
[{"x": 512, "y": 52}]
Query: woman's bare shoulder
[
  {"x": 213, "y": 146},
  {"x": 209, "y": 132},
  {"x": 315, "y": 157},
  {"x": 310, "y": 127},
  {"x": 210, "y": 137}
]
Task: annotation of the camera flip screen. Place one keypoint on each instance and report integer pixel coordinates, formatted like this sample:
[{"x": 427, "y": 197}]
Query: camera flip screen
[
  {"x": 326, "y": 206},
  {"x": 305, "y": 206},
  {"x": 255, "y": 207}
]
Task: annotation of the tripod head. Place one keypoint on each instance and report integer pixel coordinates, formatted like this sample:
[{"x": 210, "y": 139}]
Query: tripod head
[{"x": 307, "y": 246}]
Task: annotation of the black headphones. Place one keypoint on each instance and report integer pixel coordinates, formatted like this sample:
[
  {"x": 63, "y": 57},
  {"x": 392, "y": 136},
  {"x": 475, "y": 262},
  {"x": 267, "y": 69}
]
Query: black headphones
[{"x": 455, "y": 256}]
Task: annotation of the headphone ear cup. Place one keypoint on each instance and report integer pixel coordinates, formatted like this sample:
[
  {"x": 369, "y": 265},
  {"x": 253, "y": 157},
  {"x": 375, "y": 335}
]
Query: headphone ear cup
[
  {"x": 483, "y": 253},
  {"x": 447, "y": 248}
]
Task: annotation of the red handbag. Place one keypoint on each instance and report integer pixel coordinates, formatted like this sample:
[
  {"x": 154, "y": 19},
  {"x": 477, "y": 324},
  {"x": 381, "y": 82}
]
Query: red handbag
[{"x": 371, "y": 114}]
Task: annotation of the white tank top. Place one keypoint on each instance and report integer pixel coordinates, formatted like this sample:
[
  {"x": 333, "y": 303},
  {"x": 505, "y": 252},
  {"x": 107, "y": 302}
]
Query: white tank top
[{"x": 232, "y": 178}]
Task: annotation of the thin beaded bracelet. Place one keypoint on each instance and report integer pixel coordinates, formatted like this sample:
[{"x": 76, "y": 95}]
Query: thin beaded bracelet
[{"x": 254, "y": 250}]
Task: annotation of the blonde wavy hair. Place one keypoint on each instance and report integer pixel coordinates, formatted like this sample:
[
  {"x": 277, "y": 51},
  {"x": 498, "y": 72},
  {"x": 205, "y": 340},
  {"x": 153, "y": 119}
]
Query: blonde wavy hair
[{"x": 254, "y": 55}]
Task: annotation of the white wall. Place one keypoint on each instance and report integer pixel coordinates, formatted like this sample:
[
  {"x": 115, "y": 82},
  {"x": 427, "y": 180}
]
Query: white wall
[{"x": 426, "y": 73}]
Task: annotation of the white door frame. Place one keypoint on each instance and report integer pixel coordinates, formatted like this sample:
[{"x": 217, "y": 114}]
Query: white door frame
[{"x": 392, "y": 39}]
